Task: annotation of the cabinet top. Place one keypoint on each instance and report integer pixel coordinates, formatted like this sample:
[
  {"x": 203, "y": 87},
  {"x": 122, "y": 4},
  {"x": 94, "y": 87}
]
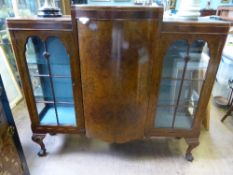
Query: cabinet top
[
  {"x": 105, "y": 12},
  {"x": 168, "y": 25},
  {"x": 38, "y": 23}
]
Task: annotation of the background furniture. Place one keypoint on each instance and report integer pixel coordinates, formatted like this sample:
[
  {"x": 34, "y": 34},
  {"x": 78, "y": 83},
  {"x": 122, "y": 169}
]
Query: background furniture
[
  {"x": 208, "y": 12},
  {"x": 225, "y": 12},
  {"x": 12, "y": 158},
  {"x": 230, "y": 101},
  {"x": 117, "y": 73},
  {"x": 13, "y": 91}
]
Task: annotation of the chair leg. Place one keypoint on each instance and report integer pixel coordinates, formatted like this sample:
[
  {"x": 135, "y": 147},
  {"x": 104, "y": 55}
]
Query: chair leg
[{"x": 227, "y": 114}]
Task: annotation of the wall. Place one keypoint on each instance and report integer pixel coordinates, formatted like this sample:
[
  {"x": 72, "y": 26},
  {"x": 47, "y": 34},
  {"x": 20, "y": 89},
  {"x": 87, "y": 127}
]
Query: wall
[{"x": 214, "y": 3}]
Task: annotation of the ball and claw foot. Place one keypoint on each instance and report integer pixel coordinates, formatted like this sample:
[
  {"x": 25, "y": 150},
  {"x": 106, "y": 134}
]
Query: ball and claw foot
[
  {"x": 192, "y": 143},
  {"x": 38, "y": 138},
  {"x": 42, "y": 153},
  {"x": 189, "y": 157},
  {"x": 52, "y": 134}
]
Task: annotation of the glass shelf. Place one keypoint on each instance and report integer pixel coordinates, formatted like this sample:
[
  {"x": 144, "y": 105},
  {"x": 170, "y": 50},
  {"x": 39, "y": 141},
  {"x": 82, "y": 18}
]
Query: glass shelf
[
  {"x": 64, "y": 101},
  {"x": 53, "y": 76}
]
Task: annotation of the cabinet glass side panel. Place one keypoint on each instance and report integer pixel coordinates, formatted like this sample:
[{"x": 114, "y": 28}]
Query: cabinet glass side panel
[
  {"x": 181, "y": 83},
  {"x": 49, "y": 70}
]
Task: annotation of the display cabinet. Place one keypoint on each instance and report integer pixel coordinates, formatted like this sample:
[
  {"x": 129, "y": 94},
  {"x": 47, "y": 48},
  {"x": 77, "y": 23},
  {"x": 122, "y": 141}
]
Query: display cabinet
[
  {"x": 117, "y": 73},
  {"x": 50, "y": 74}
]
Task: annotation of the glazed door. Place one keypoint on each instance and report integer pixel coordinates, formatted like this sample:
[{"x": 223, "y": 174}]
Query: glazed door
[
  {"x": 49, "y": 69},
  {"x": 50, "y": 89},
  {"x": 183, "y": 74},
  {"x": 12, "y": 160}
]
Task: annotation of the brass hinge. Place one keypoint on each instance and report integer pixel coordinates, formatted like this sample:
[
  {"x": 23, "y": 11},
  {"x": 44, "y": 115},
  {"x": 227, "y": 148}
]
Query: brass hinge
[
  {"x": 11, "y": 130},
  {"x": 23, "y": 166}
]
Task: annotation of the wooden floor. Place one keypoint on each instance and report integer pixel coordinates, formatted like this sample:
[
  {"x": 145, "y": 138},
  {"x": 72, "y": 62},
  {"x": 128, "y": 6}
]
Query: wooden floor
[{"x": 74, "y": 155}]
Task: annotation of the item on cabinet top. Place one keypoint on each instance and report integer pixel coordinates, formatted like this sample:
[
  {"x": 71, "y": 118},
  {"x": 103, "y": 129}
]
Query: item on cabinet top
[
  {"x": 207, "y": 12},
  {"x": 49, "y": 10},
  {"x": 225, "y": 12},
  {"x": 189, "y": 9}
]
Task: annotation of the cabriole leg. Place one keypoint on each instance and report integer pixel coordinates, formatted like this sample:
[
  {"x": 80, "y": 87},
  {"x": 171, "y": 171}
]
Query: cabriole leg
[
  {"x": 38, "y": 138},
  {"x": 192, "y": 143}
]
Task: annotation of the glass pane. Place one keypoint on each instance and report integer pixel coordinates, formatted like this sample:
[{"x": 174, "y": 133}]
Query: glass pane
[
  {"x": 190, "y": 92},
  {"x": 66, "y": 114},
  {"x": 37, "y": 64},
  {"x": 199, "y": 60},
  {"x": 63, "y": 90},
  {"x": 42, "y": 89},
  {"x": 51, "y": 81},
  {"x": 180, "y": 91},
  {"x": 222, "y": 91},
  {"x": 184, "y": 117},
  {"x": 59, "y": 59},
  {"x": 168, "y": 92},
  {"x": 164, "y": 117},
  {"x": 47, "y": 114},
  {"x": 174, "y": 60}
]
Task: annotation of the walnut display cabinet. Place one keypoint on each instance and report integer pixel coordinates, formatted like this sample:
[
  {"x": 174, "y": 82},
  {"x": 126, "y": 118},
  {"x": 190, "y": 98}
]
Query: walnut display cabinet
[{"x": 118, "y": 73}]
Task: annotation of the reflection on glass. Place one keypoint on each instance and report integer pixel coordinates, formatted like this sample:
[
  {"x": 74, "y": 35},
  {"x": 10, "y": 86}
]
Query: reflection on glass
[
  {"x": 51, "y": 81},
  {"x": 164, "y": 116},
  {"x": 47, "y": 114},
  {"x": 168, "y": 91},
  {"x": 174, "y": 60},
  {"x": 184, "y": 70},
  {"x": 42, "y": 89}
]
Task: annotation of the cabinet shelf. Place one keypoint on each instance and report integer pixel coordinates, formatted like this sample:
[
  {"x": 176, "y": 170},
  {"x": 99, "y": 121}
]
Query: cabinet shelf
[
  {"x": 53, "y": 102},
  {"x": 53, "y": 76},
  {"x": 181, "y": 104},
  {"x": 179, "y": 79},
  {"x": 36, "y": 61}
]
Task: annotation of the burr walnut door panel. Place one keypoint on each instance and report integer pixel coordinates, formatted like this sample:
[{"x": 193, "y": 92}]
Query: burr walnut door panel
[{"x": 115, "y": 58}]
